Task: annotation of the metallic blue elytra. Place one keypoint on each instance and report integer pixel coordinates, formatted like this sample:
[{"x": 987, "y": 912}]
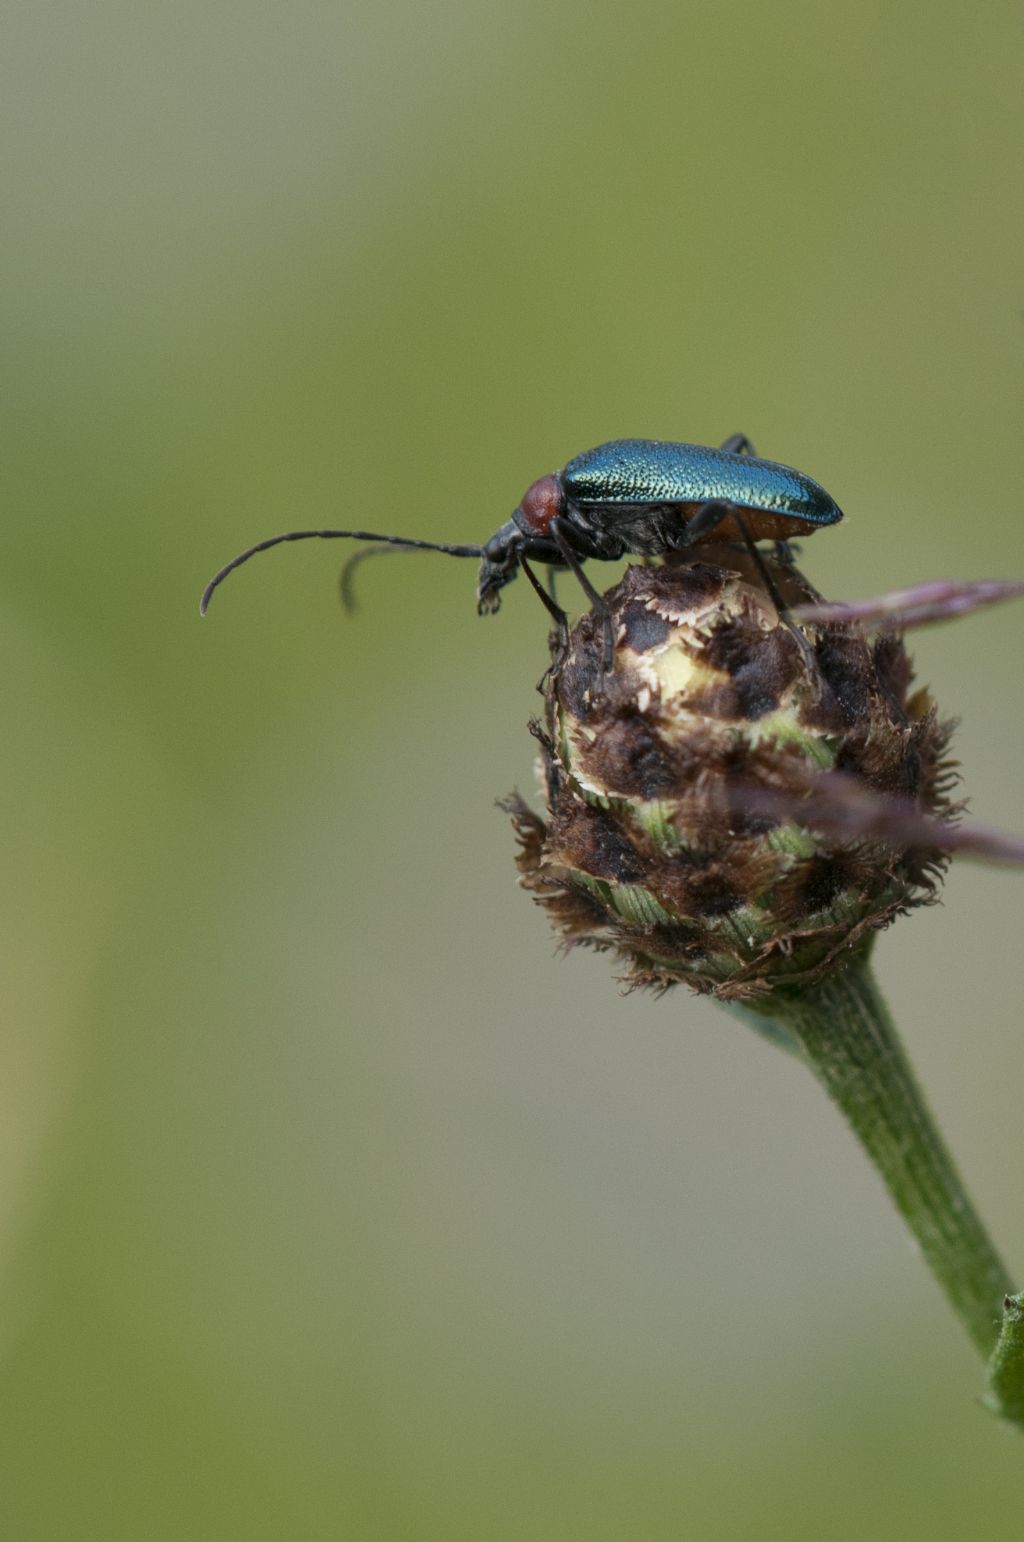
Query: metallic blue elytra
[{"x": 646, "y": 472}]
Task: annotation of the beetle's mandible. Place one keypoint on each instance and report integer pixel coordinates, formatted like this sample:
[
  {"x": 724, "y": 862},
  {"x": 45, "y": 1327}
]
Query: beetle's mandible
[{"x": 630, "y": 496}]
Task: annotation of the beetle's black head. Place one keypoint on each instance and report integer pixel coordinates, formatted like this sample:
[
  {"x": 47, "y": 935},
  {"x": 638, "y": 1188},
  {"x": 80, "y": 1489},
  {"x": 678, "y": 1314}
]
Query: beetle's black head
[
  {"x": 499, "y": 566},
  {"x": 529, "y": 532}
]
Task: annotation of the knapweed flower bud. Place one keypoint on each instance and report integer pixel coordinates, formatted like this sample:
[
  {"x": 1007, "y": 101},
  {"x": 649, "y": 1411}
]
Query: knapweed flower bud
[{"x": 687, "y": 825}]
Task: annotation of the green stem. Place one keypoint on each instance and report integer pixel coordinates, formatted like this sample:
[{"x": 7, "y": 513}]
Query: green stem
[
  {"x": 842, "y": 1029},
  {"x": 1006, "y": 1368}
]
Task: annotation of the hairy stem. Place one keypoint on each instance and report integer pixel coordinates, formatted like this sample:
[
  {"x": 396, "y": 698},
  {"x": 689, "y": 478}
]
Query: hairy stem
[{"x": 842, "y": 1029}]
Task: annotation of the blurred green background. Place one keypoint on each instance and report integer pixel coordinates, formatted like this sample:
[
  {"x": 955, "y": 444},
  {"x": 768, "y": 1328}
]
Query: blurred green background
[{"x": 332, "y": 1204}]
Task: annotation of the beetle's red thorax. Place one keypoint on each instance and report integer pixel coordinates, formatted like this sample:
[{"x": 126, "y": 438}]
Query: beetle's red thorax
[{"x": 542, "y": 502}]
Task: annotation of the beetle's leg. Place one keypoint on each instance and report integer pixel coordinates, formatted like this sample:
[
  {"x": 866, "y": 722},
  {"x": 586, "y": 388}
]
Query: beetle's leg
[
  {"x": 776, "y": 598},
  {"x": 554, "y": 610},
  {"x": 759, "y": 562},
  {"x": 706, "y": 519},
  {"x": 738, "y": 444},
  {"x": 561, "y": 623},
  {"x": 597, "y": 601},
  {"x": 552, "y": 575},
  {"x": 786, "y": 553}
]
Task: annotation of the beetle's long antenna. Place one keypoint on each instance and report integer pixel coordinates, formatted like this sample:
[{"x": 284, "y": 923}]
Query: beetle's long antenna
[{"x": 329, "y": 535}]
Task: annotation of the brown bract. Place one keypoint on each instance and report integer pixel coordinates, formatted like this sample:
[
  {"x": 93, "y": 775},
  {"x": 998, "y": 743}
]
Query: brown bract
[{"x": 698, "y": 816}]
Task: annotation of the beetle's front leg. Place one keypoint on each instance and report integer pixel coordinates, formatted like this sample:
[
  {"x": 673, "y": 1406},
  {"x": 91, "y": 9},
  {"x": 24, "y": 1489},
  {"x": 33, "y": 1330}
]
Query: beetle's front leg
[
  {"x": 597, "y": 601},
  {"x": 561, "y": 622}
]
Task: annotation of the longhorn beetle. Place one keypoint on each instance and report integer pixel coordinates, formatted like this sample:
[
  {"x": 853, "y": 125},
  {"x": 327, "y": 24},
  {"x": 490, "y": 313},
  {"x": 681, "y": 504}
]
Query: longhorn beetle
[{"x": 642, "y": 496}]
